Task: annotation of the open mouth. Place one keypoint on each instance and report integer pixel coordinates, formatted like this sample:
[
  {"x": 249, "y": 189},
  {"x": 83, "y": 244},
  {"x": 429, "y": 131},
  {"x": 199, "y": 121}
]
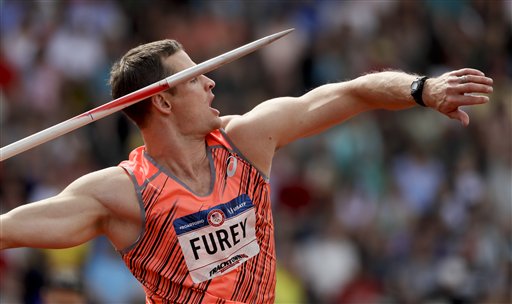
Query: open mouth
[{"x": 211, "y": 107}]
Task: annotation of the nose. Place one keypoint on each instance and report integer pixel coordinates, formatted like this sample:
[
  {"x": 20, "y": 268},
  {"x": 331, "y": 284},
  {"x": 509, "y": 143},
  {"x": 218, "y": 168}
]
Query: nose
[{"x": 210, "y": 84}]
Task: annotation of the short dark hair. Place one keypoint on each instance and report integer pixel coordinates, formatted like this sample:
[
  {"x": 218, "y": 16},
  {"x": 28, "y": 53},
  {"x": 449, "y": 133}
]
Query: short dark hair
[{"x": 140, "y": 67}]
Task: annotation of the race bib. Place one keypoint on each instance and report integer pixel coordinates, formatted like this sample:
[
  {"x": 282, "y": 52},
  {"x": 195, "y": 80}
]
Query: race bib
[{"x": 218, "y": 240}]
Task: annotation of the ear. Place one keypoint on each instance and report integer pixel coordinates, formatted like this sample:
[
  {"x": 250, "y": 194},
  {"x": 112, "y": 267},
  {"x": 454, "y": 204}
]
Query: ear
[{"x": 162, "y": 103}]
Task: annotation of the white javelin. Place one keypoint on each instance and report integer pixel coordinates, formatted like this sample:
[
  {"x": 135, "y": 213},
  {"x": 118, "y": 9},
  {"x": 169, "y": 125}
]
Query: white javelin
[{"x": 129, "y": 99}]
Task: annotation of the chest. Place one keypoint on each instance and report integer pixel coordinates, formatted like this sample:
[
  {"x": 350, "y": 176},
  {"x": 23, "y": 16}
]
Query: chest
[
  {"x": 215, "y": 233},
  {"x": 201, "y": 184}
]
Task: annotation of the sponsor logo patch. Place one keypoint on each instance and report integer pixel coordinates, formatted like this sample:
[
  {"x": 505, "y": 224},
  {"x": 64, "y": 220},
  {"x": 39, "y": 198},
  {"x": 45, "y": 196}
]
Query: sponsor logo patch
[{"x": 232, "y": 163}]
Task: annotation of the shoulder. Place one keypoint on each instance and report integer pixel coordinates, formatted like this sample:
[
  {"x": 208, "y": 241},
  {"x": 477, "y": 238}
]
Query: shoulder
[
  {"x": 251, "y": 140},
  {"x": 108, "y": 186},
  {"x": 100, "y": 179},
  {"x": 225, "y": 120}
]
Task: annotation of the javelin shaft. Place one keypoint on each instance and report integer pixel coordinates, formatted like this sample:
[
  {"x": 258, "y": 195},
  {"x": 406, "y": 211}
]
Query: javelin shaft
[{"x": 129, "y": 99}]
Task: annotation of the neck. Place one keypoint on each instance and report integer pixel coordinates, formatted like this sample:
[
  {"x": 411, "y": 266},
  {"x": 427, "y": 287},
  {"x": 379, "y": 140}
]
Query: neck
[{"x": 184, "y": 155}]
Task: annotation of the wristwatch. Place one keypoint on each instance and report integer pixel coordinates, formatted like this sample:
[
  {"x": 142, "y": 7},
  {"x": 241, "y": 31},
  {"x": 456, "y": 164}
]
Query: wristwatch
[{"x": 417, "y": 90}]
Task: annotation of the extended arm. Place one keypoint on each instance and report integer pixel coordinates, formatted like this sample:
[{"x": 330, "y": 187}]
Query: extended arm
[{"x": 280, "y": 121}]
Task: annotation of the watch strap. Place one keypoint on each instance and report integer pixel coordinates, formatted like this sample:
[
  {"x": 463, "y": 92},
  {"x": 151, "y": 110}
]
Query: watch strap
[{"x": 417, "y": 91}]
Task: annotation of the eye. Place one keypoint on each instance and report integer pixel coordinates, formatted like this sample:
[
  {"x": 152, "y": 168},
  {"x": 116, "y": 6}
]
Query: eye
[{"x": 193, "y": 80}]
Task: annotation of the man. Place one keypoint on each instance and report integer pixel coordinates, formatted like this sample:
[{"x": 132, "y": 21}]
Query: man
[{"x": 190, "y": 212}]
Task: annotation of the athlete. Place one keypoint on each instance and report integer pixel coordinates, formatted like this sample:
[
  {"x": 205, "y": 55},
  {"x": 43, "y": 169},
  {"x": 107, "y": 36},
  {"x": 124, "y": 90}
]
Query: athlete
[{"x": 189, "y": 212}]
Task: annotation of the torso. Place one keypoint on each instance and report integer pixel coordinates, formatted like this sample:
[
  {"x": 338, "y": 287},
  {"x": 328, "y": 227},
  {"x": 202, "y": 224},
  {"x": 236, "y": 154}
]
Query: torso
[
  {"x": 125, "y": 223},
  {"x": 239, "y": 191}
]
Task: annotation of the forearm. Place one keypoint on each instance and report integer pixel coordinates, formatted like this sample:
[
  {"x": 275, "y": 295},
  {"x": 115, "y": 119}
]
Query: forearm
[
  {"x": 390, "y": 90},
  {"x": 445, "y": 93}
]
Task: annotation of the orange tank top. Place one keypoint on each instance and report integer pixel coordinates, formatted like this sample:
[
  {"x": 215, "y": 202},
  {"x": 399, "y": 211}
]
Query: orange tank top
[{"x": 217, "y": 248}]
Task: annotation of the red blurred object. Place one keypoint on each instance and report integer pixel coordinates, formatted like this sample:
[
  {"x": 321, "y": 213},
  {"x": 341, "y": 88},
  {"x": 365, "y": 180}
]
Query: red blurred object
[{"x": 7, "y": 74}]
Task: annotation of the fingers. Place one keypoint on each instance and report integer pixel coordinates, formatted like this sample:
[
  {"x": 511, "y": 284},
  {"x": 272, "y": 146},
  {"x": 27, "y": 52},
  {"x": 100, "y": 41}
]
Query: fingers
[
  {"x": 466, "y": 71},
  {"x": 459, "y": 115},
  {"x": 454, "y": 101},
  {"x": 469, "y": 85},
  {"x": 474, "y": 88},
  {"x": 467, "y": 78},
  {"x": 475, "y": 79}
]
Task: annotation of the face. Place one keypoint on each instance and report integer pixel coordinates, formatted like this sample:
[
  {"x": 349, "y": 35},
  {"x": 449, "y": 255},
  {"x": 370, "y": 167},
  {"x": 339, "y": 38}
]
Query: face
[{"x": 191, "y": 101}]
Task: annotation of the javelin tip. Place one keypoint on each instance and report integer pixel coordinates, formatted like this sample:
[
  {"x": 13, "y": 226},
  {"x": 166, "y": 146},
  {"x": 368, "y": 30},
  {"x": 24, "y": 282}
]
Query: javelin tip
[{"x": 281, "y": 34}]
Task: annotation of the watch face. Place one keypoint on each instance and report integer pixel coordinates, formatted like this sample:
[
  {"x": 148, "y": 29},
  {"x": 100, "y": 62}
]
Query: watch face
[{"x": 414, "y": 85}]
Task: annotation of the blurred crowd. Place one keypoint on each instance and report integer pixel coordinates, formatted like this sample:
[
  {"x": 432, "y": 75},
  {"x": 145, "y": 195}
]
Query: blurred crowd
[{"x": 389, "y": 207}]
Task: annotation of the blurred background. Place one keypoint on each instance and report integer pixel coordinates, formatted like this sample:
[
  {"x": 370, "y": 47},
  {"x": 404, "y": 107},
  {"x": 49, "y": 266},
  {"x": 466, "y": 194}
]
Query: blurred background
[{"x": 390, "y": 207}]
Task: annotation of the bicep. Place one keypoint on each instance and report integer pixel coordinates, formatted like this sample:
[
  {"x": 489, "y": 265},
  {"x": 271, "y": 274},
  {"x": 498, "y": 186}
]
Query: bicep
[
  {"x": 277, "y": 122},
  {"x": 66, "y": 220},
  {"x": 287, "y": 119}
]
